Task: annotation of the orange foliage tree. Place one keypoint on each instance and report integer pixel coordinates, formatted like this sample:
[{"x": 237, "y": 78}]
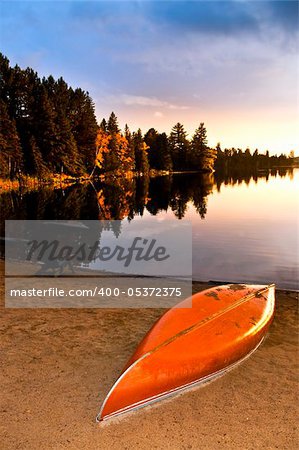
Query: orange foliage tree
[{"x": 113, "y": 153}]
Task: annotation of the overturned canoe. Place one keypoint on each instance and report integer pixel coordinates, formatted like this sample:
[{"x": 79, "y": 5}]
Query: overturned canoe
[{"x": 190, "y": 345}]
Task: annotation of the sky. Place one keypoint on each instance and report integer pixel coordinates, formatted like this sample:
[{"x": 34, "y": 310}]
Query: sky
[{"x": 230, "y": 64}]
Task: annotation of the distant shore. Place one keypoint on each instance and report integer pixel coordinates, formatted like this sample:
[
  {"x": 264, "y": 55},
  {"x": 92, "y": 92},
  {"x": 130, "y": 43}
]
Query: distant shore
[
  {"x": 59, "y": 365},
  {"x": 56, "y": 181}
]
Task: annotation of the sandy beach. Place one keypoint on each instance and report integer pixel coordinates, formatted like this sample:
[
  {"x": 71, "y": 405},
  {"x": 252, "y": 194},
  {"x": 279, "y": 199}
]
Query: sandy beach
[{"x": 58, "y": 365}]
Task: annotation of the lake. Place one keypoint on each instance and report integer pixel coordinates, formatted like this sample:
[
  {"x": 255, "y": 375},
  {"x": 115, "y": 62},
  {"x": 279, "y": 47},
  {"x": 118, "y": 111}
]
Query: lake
[{"x": 245, "y": 226}]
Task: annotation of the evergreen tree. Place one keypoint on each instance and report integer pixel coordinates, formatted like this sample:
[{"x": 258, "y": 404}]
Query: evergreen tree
[
  {"x": 150, "y": 139},
  {"x": 128, "y": 134},
  {"x": 111, "y": 160},
  {"x": 130, "y": 151},
  {"x": 44, "y": 127},
  {"x": 112, "y": 126},
  {"x": 140, "y": 149},
  {"x": 84, "y": 126},
  {"x": 103, "y": 126},
  {"x": 163, "y": 150},
  {"x": 65, "y": 157},
  {"x": 11, "y": 158},
  {"x": 5, "y": 79},
  {"x": 47, "y": 126},
  {"x": 159, "y": 151},
  {"x": 179, "y": 147},
  {"x": 203, "y": 157},
  {"x": 34, "y": 160}
]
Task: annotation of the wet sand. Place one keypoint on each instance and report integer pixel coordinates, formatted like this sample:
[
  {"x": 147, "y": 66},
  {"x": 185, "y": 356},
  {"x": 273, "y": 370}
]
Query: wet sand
[{"x": 59, "y": 364}]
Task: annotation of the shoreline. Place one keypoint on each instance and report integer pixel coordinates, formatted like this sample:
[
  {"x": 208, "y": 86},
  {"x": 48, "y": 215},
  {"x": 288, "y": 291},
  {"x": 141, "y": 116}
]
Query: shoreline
[
  {"x": 60, "y": 364},
  {"x": 58, "y": 181}
]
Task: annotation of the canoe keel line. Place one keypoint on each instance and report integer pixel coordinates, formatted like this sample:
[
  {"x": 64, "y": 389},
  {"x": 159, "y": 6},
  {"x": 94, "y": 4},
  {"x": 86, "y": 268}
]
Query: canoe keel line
[{"x": 187, "y": 346}]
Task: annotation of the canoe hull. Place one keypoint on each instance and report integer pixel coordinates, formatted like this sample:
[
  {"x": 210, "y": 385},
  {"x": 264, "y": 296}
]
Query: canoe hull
[{"x": 191, "y": 345}]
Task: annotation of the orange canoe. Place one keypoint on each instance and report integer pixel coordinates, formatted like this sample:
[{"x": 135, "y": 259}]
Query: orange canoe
[{"x": 191, "y": 345}]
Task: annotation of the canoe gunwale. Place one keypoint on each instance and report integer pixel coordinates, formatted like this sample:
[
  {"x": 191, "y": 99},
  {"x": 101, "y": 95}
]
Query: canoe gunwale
[{"x": 171, "y": 392}]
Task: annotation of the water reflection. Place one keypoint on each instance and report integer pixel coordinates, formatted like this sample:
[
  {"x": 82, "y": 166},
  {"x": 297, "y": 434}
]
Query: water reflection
[
  {"x": 238, "y": 177},
  {"x": 248, "y": 231},
  {"x": 120, "y": 198}
]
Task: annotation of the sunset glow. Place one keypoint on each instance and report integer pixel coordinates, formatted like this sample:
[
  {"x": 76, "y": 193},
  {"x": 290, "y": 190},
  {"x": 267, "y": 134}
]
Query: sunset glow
[{"x": 232, "y": 65}]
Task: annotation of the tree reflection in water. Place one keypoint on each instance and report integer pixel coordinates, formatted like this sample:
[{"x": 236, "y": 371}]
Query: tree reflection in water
[{"x": 120, "y": 198}]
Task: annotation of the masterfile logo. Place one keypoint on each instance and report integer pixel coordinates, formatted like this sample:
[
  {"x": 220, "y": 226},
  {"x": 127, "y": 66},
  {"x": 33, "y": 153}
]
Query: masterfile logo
[
  {"x": 140, "y": 250},
  {"x": 52, "y": 260}
]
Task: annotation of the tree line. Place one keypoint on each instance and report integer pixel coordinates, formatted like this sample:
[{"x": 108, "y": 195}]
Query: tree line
[
  {"x": 131, "y": 151},
  {"x": 233, "y": 159},
  {"x": 47, "y": 128}
]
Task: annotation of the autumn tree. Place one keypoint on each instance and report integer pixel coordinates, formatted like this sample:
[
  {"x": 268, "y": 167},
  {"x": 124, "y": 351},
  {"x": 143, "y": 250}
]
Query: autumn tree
[
  {"x": 48, "y": 126},
  {"x": 102, "y": 142},
  {"x": 114, "y": 150},
  {"x": 124, "y": 153}
]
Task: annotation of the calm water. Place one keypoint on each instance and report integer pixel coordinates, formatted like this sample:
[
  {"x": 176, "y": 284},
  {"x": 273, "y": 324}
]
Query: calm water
[{"x": 245, "y": 228}]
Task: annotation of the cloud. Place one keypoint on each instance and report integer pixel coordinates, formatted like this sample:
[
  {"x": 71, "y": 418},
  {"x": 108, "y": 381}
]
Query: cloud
[
  {"x": 208, "y": 17},
  {"x": 285, "y": 13},
  {"x": 224, "y": 17},
  {"x": 158, "y": 61},
  {"x": 138, "y": 100}
]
